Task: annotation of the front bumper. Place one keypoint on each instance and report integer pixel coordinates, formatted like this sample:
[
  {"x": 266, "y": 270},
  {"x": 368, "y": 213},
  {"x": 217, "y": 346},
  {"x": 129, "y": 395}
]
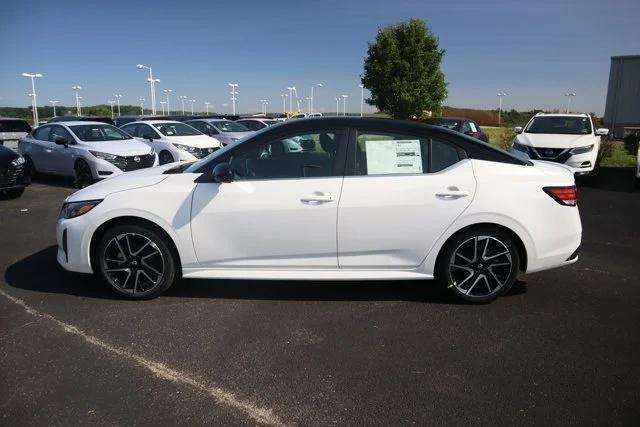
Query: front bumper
[
  {"x": 580, "y": 164},
  {"x": 72, "y": 236},
  {"x": 101, "y": 169}
]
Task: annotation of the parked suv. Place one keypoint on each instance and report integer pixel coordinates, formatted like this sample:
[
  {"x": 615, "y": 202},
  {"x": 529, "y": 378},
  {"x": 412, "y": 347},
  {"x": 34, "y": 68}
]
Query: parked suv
[
  {"x": 173, "y": 141},
  {"x": 562, "y": 138},
  {"x": 11, "y": 130},
  {"x": 87, "y": 151}
]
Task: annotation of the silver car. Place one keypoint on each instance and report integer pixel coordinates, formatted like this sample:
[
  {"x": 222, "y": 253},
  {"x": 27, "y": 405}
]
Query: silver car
[{"x": 225, "y": 131}]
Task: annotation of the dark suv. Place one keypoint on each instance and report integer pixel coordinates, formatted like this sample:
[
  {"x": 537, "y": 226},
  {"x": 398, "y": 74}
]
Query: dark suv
[{"x": 462, "y": 125}]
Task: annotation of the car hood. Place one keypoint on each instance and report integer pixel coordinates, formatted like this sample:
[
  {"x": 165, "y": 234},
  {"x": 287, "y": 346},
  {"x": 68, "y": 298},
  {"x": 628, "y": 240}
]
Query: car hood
[
  {"x": 130, "y": 147},
  {"x": 198, "y": 141},
  {"x": 554, "y": 140},
  {"x": 126, "y": 181}
]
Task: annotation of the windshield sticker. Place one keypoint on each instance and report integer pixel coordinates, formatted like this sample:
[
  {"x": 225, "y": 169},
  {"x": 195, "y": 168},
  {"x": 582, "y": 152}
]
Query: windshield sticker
[{"x": 386, "y": 157}]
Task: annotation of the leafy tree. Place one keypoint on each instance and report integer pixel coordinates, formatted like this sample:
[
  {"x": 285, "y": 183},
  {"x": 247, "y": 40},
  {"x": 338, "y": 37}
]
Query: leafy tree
[{"x": 402, "y": 70}]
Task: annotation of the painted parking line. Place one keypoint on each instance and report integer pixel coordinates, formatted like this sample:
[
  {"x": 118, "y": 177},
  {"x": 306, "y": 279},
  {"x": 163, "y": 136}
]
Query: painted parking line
[{"x": 161, "y": 370}]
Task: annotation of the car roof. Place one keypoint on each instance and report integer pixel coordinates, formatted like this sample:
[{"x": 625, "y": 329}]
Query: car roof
[
  {"x": 563, "y": 114},
  {"x": 156, "y": 121},
  {"x": 77, "y": 122},
  {"x": 13, "y": 118}
]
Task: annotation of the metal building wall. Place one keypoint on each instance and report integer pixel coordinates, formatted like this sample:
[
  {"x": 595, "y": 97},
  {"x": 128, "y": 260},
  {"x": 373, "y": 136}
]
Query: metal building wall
[{"x": 623, "y": 94}]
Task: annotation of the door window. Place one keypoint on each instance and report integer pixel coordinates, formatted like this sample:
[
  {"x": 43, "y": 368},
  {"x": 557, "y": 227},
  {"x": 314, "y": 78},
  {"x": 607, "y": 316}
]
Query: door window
[
  {"x": 144, "y": 131},
  {"x": 60, "y": 132},
  {"x": 465, "y": 127},
  {"x": 42, "y": 133},
  {"x": 285, "y": 158},
  {"x": 130, "y": 129}
]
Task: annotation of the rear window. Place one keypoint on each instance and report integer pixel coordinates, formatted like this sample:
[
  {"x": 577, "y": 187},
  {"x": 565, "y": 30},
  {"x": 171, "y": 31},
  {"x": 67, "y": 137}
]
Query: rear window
[{"x": 14, "y": 126}]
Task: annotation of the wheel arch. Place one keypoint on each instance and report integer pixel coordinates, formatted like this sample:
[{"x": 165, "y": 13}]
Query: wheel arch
[{"x": 130, "y": 219}]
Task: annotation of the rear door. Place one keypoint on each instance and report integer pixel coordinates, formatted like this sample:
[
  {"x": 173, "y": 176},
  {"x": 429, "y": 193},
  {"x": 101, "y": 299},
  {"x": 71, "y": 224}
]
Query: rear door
[
  {"x": 36, "y": 145},
  {"x": 403, "y": 193}
]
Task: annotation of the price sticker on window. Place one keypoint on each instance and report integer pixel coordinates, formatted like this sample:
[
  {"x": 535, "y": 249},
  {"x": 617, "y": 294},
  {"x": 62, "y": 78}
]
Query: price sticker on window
[{"x": 385, "y": 157}]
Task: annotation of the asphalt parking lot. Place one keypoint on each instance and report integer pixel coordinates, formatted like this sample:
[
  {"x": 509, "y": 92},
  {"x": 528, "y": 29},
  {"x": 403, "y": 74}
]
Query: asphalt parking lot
[{"x": 560, "y": 349}]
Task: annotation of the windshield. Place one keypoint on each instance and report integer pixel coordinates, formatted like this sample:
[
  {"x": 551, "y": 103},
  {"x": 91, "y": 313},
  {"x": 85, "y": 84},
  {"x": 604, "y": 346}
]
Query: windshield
[
  {"x": 229, "y": 126},
  {"x": 270, "y": 122},
  {"x": 567, "y": 125},
  {"x": 176, "y": 129},
  {"x": 95, "y": 133},
  {"x": 449, "y": 124}
]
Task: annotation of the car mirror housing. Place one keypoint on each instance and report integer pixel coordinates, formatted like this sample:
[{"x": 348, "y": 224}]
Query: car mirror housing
[
  {"x": 148, "y": 136},
  {"x": 602, "y": 131},
  {"x": 518, "y": 129},
  {"x": 222, "y": 173},
  {"x": 60, "y": 140}
]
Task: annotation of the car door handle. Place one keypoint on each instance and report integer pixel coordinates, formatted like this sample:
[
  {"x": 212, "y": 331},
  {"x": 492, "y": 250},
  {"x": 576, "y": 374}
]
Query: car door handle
[
  {"x": 452, "y": 194},
  {"x": 317, "y": 198}
]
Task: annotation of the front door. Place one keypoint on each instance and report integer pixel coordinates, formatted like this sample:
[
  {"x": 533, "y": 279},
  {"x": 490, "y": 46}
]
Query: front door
[{"x": 280, "y": 210}]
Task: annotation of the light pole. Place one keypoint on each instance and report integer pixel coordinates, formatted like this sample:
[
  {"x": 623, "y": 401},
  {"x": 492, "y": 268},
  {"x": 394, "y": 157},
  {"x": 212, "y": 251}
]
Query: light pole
[
  {"x": 78, "y": 98},
  {"x": 284, "y": 100},
  {"x": 344, "y": 104},
  {"x": 54, "y": 107},
  {"x": 233, "y": 95},
  {"x": 569, "y": 95},
  {"x": 337, "y": 106},
  {"x": 206, "y": 106},
  {"x": 311, "y": 105},
  {"x": 111, "y": 104},
  {"x": 162, "y": 104},
  {"x": 308, "y": 98},
  {"x": 152, "y": 86},
  {"x": 182, "y": 99},
  {"x": 118, "y": 96},
  {"x": 167, "y": 92},
  {"x": 361, "y": 100},
  {"x": 193, "y": 102},
  {"x": 500, "y": 96},
  {"x": 141, "y": 106},
  {"x": 34, "y": 102},
  {"x": 291, "y": 89}
]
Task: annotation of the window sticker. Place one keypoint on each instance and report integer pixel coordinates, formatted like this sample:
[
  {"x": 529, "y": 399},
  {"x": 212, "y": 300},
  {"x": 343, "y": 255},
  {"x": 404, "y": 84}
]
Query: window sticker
[
  {"x": 386, "y": 157},
  {"x": 473, "y": 127}
]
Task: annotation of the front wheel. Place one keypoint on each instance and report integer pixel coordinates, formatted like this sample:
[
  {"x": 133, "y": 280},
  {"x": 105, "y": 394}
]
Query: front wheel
[
  {"x": 83, "y": 175},
  {"x": 479, "y": 265},
  {"x": 136, "y": 261},
  {"x": 165, "y": 157}
]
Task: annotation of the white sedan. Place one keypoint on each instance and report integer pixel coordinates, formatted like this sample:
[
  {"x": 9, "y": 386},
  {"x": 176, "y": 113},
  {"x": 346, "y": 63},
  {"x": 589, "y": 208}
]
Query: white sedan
[{"x": 375, "y": 200}]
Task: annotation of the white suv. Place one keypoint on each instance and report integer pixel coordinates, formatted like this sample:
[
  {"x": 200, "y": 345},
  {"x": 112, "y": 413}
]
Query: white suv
[
  {"x": 562, "y": 138},
  {"x": 87, "y": 151},
  {"x": 173, "y": 141}
]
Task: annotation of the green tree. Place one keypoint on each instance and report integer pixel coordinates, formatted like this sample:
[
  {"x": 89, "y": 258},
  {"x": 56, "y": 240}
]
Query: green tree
[{"x": 402, "y": 70}]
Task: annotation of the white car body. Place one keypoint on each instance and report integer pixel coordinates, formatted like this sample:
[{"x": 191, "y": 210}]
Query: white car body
[
  {"x": 333, "y": 227},
  {"x": 50, "y": 157},
  {"x": 194, "y": 147},
  {"x": 560, "y": 147}
]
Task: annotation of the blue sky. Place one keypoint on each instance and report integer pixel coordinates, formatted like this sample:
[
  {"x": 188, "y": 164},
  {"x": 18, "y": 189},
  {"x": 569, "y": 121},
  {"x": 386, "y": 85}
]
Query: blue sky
[{"x": 534, "y": 50}]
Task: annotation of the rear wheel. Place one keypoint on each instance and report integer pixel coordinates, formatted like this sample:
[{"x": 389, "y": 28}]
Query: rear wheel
[
  {"x": 136, "y": 261},
  {"x": 165, "y": 157},
  {"x": 479, "y": 265},
  {"x": 83, "y": 175}
]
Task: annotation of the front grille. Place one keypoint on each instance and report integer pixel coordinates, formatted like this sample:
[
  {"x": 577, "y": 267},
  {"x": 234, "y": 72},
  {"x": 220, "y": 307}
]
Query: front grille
[
  {"x": 10, "y": 176},
  {"x": 202, "y": 152},
  {"x": 558, "y": 155},
  {"x": 132, "y": 163}
]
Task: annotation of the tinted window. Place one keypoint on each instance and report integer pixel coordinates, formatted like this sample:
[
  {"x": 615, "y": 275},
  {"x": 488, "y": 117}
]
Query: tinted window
[
  {"x": 285, "y": 158},
  {"x": 42, "y": 133},
  {"x": 253, "y": 125},
  {"x": 229, "y": 126},
  {"x": 176, "y": 129},
  {"x": 144, "y": 131},
  {"x": 130, "y": 129},
  {"x": 59, "y": 132},
  {"x": 443, "y": 155},
  {"x": 96, "y": 133},
  {"x": 570, "y": 125},
  {"x": 14, "y": 126},
  {"x": 465, "y": 127}
]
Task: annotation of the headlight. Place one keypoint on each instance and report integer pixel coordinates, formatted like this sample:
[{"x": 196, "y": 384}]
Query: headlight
[
  {"x": 103, "y": 156},
  {"x": 186, "y": 148},
  {"x": 17, "y": 161},
  {"x": 582, "y": 150},
  {"x": 520, "y": 147},
  {"x": 74, "y": 209}
]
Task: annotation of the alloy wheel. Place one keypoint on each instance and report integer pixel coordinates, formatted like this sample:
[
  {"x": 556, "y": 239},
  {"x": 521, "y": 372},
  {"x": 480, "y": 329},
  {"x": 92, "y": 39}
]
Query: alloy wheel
[
  {"x": 133, "y": 263},
  {"x": 84, "y": 178},
  {"x": 480, "y": 266}
]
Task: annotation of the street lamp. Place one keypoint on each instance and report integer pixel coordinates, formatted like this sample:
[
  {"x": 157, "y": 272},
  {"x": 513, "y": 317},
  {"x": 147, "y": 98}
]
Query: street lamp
[
  {"x": 308, "y": 98},
  {"x": 291, "y": 89},
  {"x": 167, "y": 93},
  {"x": 361, "y": 100},
  {"x": 206, "y": 106},
  {"x": 311, "y": 105},
  {"x": 54, "y": 107},
  {"x": 162, "y": 104},
  {"x": 337, "y": 106},
  {"x": 34, "y": 102},
  {"x": 569, "y": 95},
  {"x": 192, "y": 101},
  {"x": 344, "y": 104},
  {"x": 78, "y": 98},
  {"x": 152, "y": 86},
  {"x": 233, "y": 96},
  {"x": 111, "y": 103},
  {"x": 141, "y": 106},
  {"x": 500, "y": 96},
  {"x": 182, "y": 99},
  {"x": 118, "y": 96},
  {"x": 284, "y": 105}
]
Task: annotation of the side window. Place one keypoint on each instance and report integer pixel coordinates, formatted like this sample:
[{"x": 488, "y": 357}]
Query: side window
[
  {"x": 42, "y": 133},
  {"x": 285, "y": 158},
  {"x": 130, "y": 129},
  {"x": 209, "y": 129},
  {"x": 146, "y": 130},
  {"x": 390, "y": 154},
  {"x": 59, "y": 132},
  {"x": 465, "y": 127},
  {"x": 443, "y": 155},
  {"x": 198, "y": 125}
]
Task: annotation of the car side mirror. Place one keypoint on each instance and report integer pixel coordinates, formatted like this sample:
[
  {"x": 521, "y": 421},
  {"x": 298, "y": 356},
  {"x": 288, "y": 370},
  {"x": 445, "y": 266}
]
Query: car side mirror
[
  {"x": 518, "y": 129},
  {"x": 148, "y": 136},
  {"x": 222, "y": 173},
  {"x": 61, "y": 140},
  {"x": 602, "y": 131}
]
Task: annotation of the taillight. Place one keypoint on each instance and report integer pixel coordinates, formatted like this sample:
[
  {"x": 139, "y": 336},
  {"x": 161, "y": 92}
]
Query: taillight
[{"x": 567, "y": 196}]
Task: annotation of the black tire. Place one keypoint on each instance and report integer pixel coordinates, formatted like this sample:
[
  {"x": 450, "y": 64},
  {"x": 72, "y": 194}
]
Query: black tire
[
  {"x": 165, "y": 157},
  {"x": 636, "y": 182},
  {"x": 486, "y": 270},
  {"x": 155, "y": 255},
  {"x": 29, "y": 167},
  {"x": 83, "y": 177}
]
